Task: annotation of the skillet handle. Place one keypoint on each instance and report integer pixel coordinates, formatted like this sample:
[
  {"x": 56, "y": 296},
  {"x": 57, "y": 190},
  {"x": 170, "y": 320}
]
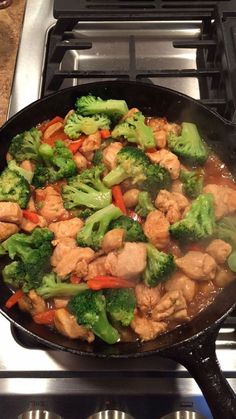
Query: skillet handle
[{"x": 199, "y": 357}]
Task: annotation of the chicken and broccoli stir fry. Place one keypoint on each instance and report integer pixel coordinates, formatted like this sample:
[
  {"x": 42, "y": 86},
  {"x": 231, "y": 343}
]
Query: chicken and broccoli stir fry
[{"x": 116, "y": 225}]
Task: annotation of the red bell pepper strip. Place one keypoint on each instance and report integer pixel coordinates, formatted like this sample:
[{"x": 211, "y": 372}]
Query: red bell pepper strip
[
  {"x": 58, "y": 135},
  {"x": 151, "y": 150},
  {"x": 31, "y": 216},
  {"x": 14, "y": 298},
  {"x": 75, "y": 146},
  {"x": 46, "y": 317},
  {"x": 75, "y": 279},
  {"x": 118, "y": 198},
  {"x": 132, "y": 214},
  {"x": 99, "y": 282},
  {"x": 105, "y": 133},
  {"x": 51, "y": 122}
]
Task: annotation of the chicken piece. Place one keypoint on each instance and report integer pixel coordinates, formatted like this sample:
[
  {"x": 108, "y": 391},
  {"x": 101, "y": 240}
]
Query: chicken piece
[
  {"x": 67, "y": 228},
  {"x": 10, "y": 212},
  {"x": 31, "y": 205},
  {"x": 219, "y": 250},
  {"x": 156, "y": 228},
  {"x": 224, "y": 199},
  {"x": 61, "y": 302},
  {"x": 161, "y": 128},
  {"x": 171, "y": 306},
  {"x": 7, "y": 229},
  {"x": 69, "y": 260},
  {"x": 28, "y": 165},
  {"x": 67, "y": 325},
  {"x": 91, "y": 143},
  {"x": 223, "y": 277},
  {"x": 113, "y": 240},
  {"x": 127, "y": 263},
  {"x": 172, "y": 204},
  {"x": 97, "y": 267},
  {"x": 197, "y": 265},
  {"x": 131, "y": 198},
  {"x": 160, "y": 135},
  {"x": 109, "y": 154},
  {"x": 147, "y": 329},
  {"x": 63, "y": 247},
  {"x": 146, "y": 297},
  {"x": 32, "y": 303},
  {"x": 130, "y": 113},
  {"x": 177, "y": 186},
  {"x": 80, "y": 161},
  {"x": 29, "y": 226},
  {"x": 168, "y": 160},
  {"x": 52, "y": 207},
  {"x": 179, "y": 281}
]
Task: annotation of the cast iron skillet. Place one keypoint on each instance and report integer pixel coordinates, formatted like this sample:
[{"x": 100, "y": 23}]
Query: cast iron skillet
[{"x": 193, "y": 344}]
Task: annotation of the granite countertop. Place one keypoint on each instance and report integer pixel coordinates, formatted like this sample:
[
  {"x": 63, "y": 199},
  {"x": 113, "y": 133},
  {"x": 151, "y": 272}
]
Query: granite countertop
[{"x": 10, "y": 29}]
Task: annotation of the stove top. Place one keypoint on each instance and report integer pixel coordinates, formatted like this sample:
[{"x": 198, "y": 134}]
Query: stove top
[{"x": 172, "y": 44}]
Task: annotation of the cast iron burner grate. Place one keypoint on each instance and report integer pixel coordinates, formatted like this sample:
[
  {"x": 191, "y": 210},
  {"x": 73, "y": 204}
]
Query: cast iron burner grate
[{"x": 216, "y": 46}]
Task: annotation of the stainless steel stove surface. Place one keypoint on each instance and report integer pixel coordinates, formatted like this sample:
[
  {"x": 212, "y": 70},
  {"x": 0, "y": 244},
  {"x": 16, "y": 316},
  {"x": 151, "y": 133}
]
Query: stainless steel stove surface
[{"x": 34, "y": 377}]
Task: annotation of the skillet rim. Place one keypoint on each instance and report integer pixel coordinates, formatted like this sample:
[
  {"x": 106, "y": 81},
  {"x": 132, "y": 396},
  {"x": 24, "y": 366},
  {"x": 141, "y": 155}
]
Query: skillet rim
[{"x": 137, "y": 353}]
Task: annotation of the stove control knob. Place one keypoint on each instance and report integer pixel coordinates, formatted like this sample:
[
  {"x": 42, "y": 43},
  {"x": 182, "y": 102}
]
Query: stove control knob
[
  {"x": 110, "y": 414},
  {"x": 183, "y": 414},
  {"x": 39, "y": 414}
]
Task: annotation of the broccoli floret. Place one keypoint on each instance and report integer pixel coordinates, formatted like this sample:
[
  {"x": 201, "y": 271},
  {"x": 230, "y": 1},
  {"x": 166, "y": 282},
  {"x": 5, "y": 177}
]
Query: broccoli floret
[
  {"x": 85, "y": 213},
  {"x": 15, "y": 275},
  {"x": 57, "y": 164},
  {"x": 34, "y": 252},
  {"x": 145, "y": 204},
  {"x": 188, "y": 145},
  {"x": 199, "y": 221},
  {"x": 192, "y": 183},
  {"x": 96, "y": 226},
  {"x": 157, "y": 177},
  {"x": 14, "y": 188},
  {"x": 226, "y": 230},
  {"x": 136, "y": 131},
  {"x": 89, "y": 307},
  {"x": 90, "y": 177},
  {"x": 121, "y": 304},
  {"x": 91, "y": 105},
  {"x": 87, "y": 189},
  {"x": 25, "y": 146},
  {"x": 52, "y": 286},
  {"x": 131, "y": 163},
  {"x": 27, "y": 174},
  {"x": 133, "y": 230},
  {"x": 159, "y": 267},
  {"x": 77, "y": 124},
  {"x": 97, "y": 157}
]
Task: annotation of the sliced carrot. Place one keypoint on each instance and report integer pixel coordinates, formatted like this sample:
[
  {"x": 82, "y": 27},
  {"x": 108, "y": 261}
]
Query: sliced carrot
[
  {"x": 45, "y": 125},
  {"x": 105, "y": 133},
  {"x": 59, "y": 135},
  {"x": 118, "y": 198},
  {"x": 75, "y": 145},
  {"x": 75, "y": 279},
  {"x": 14, "y": 298},
  {"x": 31, "y": 216},
  {"x": 100, "y": 282},
  {"x": 46, "y": 317}
]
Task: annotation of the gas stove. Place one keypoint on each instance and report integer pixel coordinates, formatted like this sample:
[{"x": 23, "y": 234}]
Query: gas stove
[{"x": 187, "y": 46}]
